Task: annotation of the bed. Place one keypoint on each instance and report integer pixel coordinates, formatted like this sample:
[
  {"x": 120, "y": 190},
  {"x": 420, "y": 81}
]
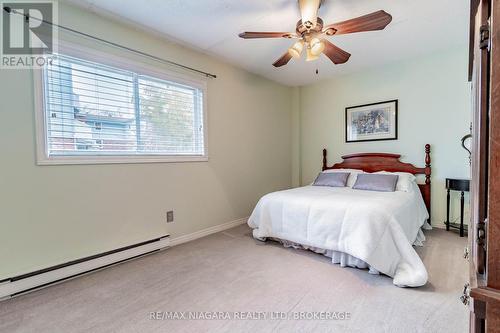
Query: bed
[{"x": 356, "y": 228}]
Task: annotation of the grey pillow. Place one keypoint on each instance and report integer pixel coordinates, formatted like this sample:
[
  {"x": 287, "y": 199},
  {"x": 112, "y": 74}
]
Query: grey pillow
[
  {"x": 376, "y": 182},
  {"x": 333, "y": 179}
]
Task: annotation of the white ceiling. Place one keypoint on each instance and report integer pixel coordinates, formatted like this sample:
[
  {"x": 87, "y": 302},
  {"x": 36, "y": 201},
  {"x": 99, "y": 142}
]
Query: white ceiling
[{"x": 419, "y": 27}]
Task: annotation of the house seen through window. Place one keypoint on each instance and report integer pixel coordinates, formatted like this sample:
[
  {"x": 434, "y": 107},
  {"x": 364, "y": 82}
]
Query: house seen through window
[{"x": 93, "y": 109}]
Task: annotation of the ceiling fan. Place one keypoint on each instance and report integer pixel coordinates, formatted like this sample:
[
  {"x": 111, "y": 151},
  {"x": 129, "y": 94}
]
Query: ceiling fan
[{"x": 311, "y": 33}]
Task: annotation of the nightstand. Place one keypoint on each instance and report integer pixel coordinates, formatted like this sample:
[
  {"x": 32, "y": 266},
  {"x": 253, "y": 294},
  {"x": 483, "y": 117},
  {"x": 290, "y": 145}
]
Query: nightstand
[{"x": 461, "y": 185}]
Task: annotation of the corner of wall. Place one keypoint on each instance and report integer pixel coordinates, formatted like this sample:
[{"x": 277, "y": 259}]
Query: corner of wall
[{"x": 296, "y": 140}]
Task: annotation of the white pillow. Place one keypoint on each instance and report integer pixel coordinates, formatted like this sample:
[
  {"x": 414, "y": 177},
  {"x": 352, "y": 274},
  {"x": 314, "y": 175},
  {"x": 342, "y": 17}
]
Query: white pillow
[
  {"x": 405, "y": 180},
  {"x": 352, "y": 177}
]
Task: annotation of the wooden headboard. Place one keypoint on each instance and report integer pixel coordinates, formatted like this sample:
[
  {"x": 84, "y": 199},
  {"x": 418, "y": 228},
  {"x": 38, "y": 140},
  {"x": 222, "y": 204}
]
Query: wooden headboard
[{"x": 373, "y": 162}]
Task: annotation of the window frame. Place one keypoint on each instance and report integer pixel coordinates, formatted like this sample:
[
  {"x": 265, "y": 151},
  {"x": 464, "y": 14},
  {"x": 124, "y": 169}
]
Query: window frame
[{"x": 139, "y": 68}]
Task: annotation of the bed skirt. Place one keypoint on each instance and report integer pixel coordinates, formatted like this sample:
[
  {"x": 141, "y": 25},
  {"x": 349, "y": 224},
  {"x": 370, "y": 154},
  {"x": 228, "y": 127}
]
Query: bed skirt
[{"x": 344, "y": 259}]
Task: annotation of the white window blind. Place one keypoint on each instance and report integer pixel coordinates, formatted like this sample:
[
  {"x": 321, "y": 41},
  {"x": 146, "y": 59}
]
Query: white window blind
[{"x": 97, "y": 110}]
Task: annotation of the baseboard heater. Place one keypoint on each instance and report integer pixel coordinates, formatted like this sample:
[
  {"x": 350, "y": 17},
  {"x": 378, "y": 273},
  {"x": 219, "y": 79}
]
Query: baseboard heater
[{"x": 24, "y": 283}]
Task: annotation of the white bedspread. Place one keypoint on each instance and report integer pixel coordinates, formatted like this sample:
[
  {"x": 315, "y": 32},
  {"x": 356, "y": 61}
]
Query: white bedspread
[{"x": 377, "y": 227}]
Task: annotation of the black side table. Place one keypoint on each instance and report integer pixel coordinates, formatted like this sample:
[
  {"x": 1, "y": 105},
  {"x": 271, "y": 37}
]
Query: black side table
[{"x": 461, "y": 185}]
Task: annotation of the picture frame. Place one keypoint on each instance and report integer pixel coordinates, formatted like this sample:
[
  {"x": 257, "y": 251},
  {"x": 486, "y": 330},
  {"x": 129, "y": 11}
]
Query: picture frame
[{"x": 372, "y": 122}]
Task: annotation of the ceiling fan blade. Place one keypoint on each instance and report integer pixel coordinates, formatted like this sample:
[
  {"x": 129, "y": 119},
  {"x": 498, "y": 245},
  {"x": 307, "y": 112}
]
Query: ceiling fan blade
[
  {"x": 336, "y": 54},
  {"x": 309, "y": 11},
  {"x": 253, "y": 34},
  {"x": 285, "y": 58},
  {"x": 370, "y": 22}
]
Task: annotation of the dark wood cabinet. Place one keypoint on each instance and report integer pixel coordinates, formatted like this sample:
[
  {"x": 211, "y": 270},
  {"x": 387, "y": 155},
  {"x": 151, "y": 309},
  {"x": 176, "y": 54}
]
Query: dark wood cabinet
[{"x": 484, "y": 228}]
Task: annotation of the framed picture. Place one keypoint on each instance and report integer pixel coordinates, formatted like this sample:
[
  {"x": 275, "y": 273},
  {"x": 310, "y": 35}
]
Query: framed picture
[{"x": 372, "y": 122}]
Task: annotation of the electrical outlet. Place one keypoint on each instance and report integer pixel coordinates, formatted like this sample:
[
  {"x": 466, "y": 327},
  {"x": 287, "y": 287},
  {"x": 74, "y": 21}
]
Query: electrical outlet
[{"x": 170, "y": 216}]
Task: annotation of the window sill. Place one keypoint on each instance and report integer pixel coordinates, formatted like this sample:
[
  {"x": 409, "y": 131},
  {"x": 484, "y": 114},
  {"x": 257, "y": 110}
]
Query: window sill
[{"x": 75, "y": 160}]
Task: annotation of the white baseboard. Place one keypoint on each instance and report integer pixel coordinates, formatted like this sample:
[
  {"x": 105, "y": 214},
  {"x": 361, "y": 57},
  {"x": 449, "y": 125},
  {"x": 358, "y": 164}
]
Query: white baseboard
[
  {"x": 207, "y": 231},
  {"x": 439, "y": 226},
  {"x": 31, "y": 283},
  {"x": 35, "y": 282}
]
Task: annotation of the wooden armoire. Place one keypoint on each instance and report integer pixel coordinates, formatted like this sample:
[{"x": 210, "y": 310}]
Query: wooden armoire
[{"x": 482, "y": 293}]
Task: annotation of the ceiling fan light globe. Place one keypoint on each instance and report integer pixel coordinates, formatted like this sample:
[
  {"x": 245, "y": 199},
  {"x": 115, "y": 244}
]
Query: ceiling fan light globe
[
  {"x": 293, "y": 53},
  {"x": 296, "y": 49},
  {"x": 311, "y": 56},
  {"x": 317, "y": 46}
]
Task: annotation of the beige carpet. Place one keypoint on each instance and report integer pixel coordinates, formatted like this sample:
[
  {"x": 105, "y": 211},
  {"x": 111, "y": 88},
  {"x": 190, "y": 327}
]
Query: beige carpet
[{"x": 230, "y": 271}]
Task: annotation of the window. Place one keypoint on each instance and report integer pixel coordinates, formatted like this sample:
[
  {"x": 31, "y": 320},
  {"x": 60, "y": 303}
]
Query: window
[{"x": 94, "y": 113}]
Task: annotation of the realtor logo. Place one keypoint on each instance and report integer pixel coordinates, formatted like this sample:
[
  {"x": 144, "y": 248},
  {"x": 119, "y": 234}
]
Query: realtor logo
[{"x": 26, "y": 36}]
